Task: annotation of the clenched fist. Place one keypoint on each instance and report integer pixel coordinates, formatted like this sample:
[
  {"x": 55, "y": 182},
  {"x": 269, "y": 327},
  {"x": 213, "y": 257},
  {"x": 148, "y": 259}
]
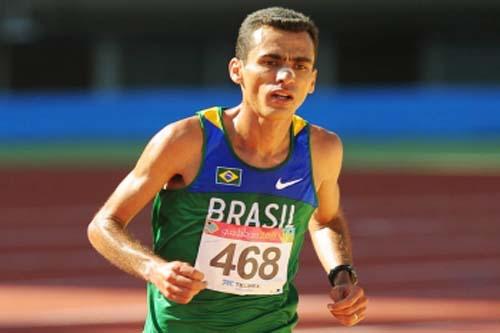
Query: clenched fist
[
  {"x": 177, "y": 281},
  {"x": 349, "y": 305}
]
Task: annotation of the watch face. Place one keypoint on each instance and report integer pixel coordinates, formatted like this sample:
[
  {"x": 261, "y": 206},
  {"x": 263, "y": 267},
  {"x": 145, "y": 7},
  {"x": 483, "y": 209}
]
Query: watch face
[{"x": 348, "y": 268}]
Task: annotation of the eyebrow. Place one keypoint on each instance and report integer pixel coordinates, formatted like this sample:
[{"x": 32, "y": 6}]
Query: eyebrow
[{"x": 279, "y": 57}]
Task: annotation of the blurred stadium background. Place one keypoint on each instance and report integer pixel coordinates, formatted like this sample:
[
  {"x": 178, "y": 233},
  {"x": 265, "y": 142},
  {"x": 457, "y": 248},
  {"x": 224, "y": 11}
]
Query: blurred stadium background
[{"x": 412, "y": 87}]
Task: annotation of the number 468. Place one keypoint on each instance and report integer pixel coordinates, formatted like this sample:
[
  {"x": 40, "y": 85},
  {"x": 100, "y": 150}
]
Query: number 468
[{"x": 270, "y": 256}]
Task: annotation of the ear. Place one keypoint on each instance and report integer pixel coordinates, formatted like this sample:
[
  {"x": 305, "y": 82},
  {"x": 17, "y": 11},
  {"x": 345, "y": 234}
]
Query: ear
[
  {"x": 313, "y": 81},
  {"x": 235, "y": 67}
]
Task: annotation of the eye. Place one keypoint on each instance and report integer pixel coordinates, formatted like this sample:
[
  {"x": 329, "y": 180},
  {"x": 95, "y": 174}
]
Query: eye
[
  {"x": 301, "y": 67},
  {"x": 270, "y": 62}
]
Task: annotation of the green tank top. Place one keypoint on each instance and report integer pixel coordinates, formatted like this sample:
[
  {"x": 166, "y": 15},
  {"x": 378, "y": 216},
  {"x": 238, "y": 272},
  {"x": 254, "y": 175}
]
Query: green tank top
[{"x": 227, "y": 190}]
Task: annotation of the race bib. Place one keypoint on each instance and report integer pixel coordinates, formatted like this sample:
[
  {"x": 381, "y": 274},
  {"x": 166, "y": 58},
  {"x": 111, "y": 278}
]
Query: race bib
[{"x": 244, "y": 260}]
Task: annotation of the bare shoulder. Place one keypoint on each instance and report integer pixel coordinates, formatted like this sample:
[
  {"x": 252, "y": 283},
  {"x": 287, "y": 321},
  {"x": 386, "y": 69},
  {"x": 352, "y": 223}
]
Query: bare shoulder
[
  {"x": 326, "y": 151},
  {"x": 325, "y": 144},
  {"x": 174, "y": 147},
  {"x": 187, "y": 130},
  {"x": 172, "y": 152}
]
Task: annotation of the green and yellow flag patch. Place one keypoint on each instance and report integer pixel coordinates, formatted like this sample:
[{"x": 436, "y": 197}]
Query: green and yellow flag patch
[{"x": 228, "y": 176}]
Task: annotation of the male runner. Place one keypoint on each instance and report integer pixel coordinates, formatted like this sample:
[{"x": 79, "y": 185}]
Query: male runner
[{"x": 236, "y": 189}]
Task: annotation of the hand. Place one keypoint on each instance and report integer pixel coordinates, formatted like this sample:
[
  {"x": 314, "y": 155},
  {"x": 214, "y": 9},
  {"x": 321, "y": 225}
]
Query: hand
[
  {"x": 349, "y": 304},
  {"x": 177, "y": 281}
]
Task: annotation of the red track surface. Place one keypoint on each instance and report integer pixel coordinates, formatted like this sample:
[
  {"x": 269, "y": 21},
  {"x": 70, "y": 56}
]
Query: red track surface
[{"x": 427, "y": 248}]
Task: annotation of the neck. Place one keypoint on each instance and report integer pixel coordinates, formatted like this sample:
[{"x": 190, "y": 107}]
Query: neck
[{"x": 256, "y": 139}]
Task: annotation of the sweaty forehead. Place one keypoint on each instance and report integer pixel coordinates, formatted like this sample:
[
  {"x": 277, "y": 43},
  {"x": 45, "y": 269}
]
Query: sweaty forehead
[{"x": 271, "y": 40}]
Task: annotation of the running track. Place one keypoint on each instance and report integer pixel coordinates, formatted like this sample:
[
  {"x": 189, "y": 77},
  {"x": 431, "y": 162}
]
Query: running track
[{"x": 427, "y": 248}]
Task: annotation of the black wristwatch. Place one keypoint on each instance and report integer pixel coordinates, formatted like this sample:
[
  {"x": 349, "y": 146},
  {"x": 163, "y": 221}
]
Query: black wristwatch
[{"x": 335, "y": 271}]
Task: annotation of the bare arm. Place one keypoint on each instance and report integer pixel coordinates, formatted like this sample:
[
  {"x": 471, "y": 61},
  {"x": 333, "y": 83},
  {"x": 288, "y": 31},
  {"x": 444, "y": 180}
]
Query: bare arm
[
  {"x": 331, "y": 238},
  {"x": 107, "y": 232},
  {"x": 329, "y": 229}
]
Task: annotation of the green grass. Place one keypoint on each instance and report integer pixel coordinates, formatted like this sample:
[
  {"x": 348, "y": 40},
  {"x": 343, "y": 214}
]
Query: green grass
[
  {"x": 432, "y": 156},
  {"x": 78, "y": 154}
]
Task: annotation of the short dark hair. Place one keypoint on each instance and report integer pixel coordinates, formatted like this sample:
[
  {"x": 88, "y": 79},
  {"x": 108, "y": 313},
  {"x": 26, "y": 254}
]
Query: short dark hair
[{"x": 276, "y": 17}]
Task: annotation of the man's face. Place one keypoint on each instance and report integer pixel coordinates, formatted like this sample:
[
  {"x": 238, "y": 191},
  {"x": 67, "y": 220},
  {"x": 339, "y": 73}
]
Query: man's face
[{"x": 278, "y": 72}]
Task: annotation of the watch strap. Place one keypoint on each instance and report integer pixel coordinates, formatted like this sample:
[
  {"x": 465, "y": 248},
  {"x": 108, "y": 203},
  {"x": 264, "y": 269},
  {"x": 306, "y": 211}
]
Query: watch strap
[{"x": 332, "y": 275}]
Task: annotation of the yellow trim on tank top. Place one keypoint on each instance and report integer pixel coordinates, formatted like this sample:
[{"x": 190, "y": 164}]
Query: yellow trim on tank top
[
  {"x": 211, "y": 115},
  {"x": 298, "y": 124}
]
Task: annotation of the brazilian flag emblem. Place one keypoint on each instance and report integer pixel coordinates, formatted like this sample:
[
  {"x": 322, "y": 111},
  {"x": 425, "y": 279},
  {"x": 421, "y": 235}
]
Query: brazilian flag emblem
[{"x": 228, "y": 176}]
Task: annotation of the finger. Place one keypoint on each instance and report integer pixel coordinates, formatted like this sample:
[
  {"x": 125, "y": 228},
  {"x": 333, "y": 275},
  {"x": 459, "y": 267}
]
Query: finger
[
  {"x": 347, "y": 312},
  {"x": 345, "y": 320},
  {"x": 353, "y": 296},
  {"x": 172, "y": 289},
  {"x": 359, "y": 306},
  {"x": 190, "y": 272},
  {"x": 351, "y": 319},
  {"x": 192, "y": 285},
  {"x": 357, "y": 317},
  {"x": 186, "y": 282},
  {"x": 181, "y": 299},
  {"x": 199, "y": 285},
  {"x": 361, "y": 316},
  {"x": 179, "y": 293},
  {"x": 176, "y": 294}
]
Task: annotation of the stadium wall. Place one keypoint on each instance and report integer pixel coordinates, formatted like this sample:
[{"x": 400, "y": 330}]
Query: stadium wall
[{"x": 387, "y": 113}]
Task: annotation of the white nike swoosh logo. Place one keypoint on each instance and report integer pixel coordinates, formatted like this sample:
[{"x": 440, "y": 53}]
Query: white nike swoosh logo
[{"x": 280, "y": 185}]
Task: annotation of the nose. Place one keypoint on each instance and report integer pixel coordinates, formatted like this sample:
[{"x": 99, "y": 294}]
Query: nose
[{"x": 285, "y": 75}]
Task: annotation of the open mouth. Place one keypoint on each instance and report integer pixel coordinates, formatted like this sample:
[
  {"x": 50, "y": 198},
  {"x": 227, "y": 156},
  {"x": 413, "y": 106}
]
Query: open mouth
[{"x": 282, "y": 96}]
